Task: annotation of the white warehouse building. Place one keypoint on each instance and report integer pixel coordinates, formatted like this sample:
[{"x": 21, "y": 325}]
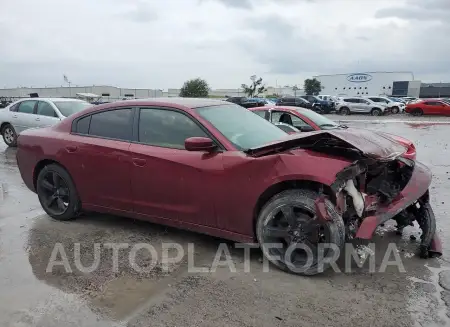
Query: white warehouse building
[{"x": 370, "y": 83}]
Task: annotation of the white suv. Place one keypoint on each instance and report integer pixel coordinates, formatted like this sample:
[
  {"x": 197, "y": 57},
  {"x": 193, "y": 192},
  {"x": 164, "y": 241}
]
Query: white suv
[
  {"x": 348, "y": 105},
  {"x": 395, "y": 107}
]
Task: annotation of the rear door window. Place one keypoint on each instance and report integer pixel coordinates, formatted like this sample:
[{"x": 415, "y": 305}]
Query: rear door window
[
  {"x": 27, "y": 107},
  {"x": 114, "y": 124}
]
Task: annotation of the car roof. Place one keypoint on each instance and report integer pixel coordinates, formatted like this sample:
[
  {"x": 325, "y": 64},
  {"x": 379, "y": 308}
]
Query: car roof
[
  {"x": 179, "y": 103},
  {"x": 51, "y": 99},
  {"x": 186, "y": 102},
  {"x": 280, "y": 108}
]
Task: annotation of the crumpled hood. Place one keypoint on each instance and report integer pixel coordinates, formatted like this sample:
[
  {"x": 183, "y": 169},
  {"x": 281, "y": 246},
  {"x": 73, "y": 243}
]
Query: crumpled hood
[{"x": 368, "y": 143}]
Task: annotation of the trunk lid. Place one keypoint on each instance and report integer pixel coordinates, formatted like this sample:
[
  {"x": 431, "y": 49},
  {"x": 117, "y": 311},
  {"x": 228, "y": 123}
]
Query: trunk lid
[{"x": 368, "y": 143}]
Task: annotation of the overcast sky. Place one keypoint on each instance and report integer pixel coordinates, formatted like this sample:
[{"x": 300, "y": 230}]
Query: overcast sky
[{"x": 162, "y": 43}]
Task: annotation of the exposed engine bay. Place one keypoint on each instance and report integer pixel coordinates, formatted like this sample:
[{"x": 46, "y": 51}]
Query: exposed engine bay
[
  {"x": 379, "y": 185},
  {"x": 369, "y": 186}
]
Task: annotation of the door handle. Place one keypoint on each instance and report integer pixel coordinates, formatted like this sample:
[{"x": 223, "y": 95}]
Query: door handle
[
  {"x": 38, "y": 118},
  {"x": 139, "y": 162},
  {"x": 14, "y": 116},
  {"x": 71, "y": 148}
]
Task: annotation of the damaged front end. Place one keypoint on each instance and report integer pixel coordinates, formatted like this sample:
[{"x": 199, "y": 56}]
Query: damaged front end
[
  {"x": 380, "y": 184},
  {"x": 372, "y": 191}
]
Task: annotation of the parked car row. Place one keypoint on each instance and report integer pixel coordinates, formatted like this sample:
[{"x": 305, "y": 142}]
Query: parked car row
[{"x": 346, "y": 105}]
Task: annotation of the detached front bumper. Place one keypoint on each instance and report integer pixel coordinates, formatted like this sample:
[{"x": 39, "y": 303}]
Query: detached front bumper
[
  {"x": 418, "y": 185},
  {"x": 416, "y": 190},
  {"x": 408, "y": 205}
]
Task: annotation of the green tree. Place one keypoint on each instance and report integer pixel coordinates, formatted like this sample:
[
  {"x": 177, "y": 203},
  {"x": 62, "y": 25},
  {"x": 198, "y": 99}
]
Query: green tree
[
  {"x": 195, "y": 88},
  {"x": 256, "y": 88},
  {"x": 312, "y": 86}
]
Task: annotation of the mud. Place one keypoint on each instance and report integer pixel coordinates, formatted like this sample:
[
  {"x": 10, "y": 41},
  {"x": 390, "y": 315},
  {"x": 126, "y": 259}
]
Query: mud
[{"x": 174, "y": 296}]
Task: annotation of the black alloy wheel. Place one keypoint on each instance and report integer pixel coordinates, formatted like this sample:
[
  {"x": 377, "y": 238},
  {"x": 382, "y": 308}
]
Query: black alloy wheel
[
  {"x": 57, "y": 193},
  {"x": 289, "y": 220}
]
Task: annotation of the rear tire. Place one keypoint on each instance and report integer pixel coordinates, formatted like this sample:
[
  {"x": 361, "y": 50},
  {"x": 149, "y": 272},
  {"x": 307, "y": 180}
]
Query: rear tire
[
  {"x": 344, "y": 111},
  {"x": 376, "y": 112},
  {"x": 57, "y": 193},
  {"x": 308, "y": 229},
  {"x": 417, "y": 112},
  {"x": 9, "y": 135},
  {"x": 395, "y": 110}
]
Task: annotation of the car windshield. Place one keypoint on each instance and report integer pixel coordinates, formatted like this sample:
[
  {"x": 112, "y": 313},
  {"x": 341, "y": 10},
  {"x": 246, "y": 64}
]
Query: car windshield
[
  {"x": 240, "y": 126},
  {"x": 321, "y": 121},
  {"x": 68, "y": 108}
]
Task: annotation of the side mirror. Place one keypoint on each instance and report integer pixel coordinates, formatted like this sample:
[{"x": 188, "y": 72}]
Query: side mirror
[
  {"x": 199, "y": 144},
  {"x": 306, "y": 128}
]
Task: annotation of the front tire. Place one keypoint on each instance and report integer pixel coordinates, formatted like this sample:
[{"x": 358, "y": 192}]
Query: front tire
[
  {"x": 9, "y": 135},
  {"x": 417, "y": 112},
  {"x": 395, "y": 110},
  {"x": 375, "y": 112},
  {"x": 344, "y": 111},
  {"x": 288, "y": 220},
  {"x": 57, "y": 193}
]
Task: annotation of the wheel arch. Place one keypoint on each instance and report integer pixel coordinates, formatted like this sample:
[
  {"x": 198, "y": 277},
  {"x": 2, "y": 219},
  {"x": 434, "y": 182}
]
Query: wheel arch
[
  {"x": 40, "y": 165},
  {"x": 289, "y": 185},
  {"x": 3, "y": 125}
]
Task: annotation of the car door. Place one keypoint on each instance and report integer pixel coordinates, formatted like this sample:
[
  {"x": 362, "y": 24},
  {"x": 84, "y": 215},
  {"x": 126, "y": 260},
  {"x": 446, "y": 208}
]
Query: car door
[
  {"x": 352, "y": 104},
  {"x": 167, "y": 180},
  {"x": 431, "y": 108},
  {"x": 24, "y": 117},
  {"x": 445, "y": 109},
  {"x": 45, "y": 114},
  {"x": 98, "y": 157},
  {"x": 365, "y": 106}
]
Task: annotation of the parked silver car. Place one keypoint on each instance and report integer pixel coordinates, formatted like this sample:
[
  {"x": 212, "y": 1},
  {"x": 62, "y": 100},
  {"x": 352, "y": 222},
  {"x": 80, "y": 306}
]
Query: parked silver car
[
  {"x": 394, "y": 106},
  {"x": 35, "y": 112},
  {"x": 348, "y": 105}
]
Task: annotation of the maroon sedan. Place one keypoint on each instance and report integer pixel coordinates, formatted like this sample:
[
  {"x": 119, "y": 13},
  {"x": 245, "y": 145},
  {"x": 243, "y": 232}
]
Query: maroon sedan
[
  {"x": 294, "y": 119},
  {"x": 217, "y": 168}
]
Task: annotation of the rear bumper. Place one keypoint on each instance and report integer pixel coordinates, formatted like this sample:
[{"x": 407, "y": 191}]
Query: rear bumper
[{"x": 417, "y": 186}]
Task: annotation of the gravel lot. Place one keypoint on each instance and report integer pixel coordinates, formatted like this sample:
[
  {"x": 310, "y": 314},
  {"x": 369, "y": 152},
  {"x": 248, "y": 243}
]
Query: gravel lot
[{"x": 31, "y": 296}]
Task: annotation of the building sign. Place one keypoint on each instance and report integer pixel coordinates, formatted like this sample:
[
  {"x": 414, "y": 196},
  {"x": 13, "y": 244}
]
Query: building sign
[{"x": 359, "y": 78}]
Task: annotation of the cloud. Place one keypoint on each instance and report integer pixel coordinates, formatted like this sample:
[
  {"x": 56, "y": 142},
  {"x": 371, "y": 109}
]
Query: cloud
[
  {"x": 141, "y": 12},
  {"x": 246, "y": 4},
  {"x": 430, "y": 10},
  {"x": 160, "y": 44}
]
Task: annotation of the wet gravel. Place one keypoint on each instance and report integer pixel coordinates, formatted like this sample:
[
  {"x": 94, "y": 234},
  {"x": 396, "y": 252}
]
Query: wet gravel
[{"x": 31, "y": 296}]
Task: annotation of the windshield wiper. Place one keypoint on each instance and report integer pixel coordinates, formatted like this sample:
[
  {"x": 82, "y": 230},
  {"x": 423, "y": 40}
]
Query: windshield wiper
[{"x": 329, "y": 125}]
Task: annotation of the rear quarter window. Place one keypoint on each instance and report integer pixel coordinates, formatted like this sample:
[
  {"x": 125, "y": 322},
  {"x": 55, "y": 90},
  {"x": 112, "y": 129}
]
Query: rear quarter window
[
  {"x": 14, "y": 107},
  {"x": 82, "y": 126}
]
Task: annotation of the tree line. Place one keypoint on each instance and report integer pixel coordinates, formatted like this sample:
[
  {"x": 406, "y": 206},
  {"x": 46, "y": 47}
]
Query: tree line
[{"x": 199, "y": 88}]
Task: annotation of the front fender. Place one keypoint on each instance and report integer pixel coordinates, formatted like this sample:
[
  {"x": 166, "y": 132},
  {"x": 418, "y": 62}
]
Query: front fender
[{"x": 309, "y": 165}]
